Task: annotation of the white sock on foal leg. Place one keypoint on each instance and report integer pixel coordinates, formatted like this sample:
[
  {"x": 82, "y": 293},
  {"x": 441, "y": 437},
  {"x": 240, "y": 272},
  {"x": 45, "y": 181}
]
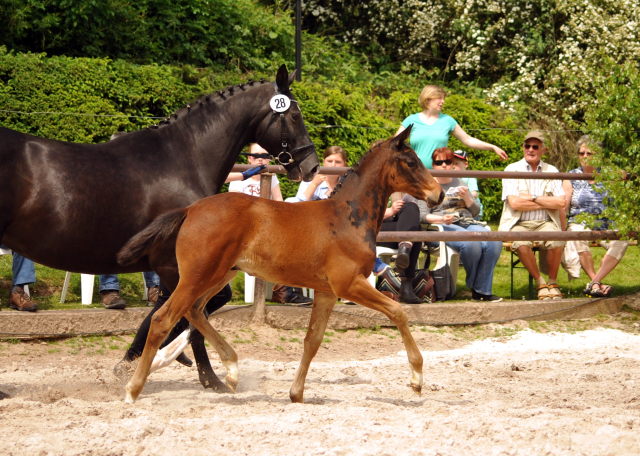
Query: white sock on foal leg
[{"x": 169, "y": 353}]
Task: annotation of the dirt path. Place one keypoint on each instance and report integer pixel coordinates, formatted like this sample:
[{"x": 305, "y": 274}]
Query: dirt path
[{"x": 522, "y": 392}]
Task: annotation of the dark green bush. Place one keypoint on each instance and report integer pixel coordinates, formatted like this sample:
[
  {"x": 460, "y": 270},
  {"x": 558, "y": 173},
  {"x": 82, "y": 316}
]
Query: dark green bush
[{"x": 36, "y": 83}]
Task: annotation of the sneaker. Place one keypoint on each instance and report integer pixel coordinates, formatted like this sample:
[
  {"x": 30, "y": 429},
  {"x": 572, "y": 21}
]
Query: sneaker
[
  {"x": 379, "y": 267},
  {"x": 111, "y": 299},
  {"x": 152, "y": 296},
  {"x": 482, "y": 297},
  {"x": 19, "y": 300},
  {"x": 297, "y": 298}
]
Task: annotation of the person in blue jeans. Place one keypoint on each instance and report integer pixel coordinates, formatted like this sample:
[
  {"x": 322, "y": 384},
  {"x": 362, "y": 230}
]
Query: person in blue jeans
[
  {"x": 24, "y": 273},
  {"x": 110, "y": 290},
  {"x": 456, "y": 213}
]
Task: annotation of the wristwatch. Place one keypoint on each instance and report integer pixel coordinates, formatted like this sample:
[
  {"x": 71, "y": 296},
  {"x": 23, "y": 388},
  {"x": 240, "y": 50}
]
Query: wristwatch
[{"x": 534, "y": 198}]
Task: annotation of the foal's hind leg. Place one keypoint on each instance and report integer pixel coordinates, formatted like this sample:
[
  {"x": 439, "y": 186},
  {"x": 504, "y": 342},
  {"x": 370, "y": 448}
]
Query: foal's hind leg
[
  {"x": 322, "y": 307},
  {"x": 360, "y": 291},
  {"x": 163, "y": 320},
  {"x": 227, "y": 355}
]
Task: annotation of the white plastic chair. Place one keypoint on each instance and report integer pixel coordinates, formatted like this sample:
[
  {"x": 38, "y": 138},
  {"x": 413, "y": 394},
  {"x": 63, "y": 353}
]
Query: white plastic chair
[
  {"x": 86, "y": 288},
  {"x": 250, "y": 286}
]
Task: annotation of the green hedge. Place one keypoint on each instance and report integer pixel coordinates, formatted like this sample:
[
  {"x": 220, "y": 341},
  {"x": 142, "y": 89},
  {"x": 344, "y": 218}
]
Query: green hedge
[{"x": 36, "y": 83}]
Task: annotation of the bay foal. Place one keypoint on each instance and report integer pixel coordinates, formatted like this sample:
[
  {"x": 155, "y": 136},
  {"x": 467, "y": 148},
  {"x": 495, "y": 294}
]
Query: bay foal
[{"x": 325, "y": 245}]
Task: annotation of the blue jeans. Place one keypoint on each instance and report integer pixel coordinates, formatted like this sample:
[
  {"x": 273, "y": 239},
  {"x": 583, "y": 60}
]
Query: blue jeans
[
  {"x": 479, "y": 258},
  {"x": 151, "y": 279},
  {"x": 110, "y": 282},
  {"x": 23, "y": 270}
]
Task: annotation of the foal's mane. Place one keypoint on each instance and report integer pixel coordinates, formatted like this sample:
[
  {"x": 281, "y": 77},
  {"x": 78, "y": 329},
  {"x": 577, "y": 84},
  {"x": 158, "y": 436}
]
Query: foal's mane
[
  {"x": 355, "y": 167},
  {"x": 218, "y": 97}
]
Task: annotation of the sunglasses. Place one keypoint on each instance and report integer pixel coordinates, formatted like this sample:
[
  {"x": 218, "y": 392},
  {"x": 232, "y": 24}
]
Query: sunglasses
[
  {"x": 532, "y": 146},
  {"x": 584, "y": 154},
  {"x": 442, "y": 162}
]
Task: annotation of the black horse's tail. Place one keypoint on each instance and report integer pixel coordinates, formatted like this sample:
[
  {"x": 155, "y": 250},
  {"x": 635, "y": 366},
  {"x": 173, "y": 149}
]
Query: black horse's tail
[{"x": 161, "y": 229}]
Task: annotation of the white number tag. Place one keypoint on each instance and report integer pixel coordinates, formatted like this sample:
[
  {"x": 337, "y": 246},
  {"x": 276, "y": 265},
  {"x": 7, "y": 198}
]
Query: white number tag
[{"x": 280, "y": 103}]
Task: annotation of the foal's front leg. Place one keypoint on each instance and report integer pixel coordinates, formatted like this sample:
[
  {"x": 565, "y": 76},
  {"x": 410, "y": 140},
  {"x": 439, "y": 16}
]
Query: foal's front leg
[
  {"x": 361, "y": 291},
  {"x": 323, "y": 304}
]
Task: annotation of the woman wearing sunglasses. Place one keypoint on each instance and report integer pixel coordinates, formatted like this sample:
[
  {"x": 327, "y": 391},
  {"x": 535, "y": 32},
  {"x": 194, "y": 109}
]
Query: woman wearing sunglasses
[
  {"x": 431, "y": 128},
  {"x": 456, "y": 213},
  {"x": 587, "y": 197}
]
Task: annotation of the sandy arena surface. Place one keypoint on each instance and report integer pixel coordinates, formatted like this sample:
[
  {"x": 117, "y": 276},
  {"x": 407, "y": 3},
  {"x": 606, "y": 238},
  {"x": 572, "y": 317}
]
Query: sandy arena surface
[{"x": 526, "y": 393}]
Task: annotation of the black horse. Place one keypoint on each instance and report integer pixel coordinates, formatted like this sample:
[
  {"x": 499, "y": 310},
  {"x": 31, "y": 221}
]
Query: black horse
[{"x": 73, "y": 206}]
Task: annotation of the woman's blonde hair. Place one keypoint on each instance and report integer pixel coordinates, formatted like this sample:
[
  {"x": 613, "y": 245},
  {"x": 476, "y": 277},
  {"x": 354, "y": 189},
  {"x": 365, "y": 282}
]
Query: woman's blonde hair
[
  {"x": 430, "y": 92},
  {"x": 336, "y": 150}
]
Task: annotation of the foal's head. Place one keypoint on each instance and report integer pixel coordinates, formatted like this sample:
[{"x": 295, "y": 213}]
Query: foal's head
[{"x": 408, "y": 174}]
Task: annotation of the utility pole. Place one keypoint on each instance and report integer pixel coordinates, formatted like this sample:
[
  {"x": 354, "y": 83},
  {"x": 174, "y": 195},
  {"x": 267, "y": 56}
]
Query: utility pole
[{"x": 299, "y": 40}]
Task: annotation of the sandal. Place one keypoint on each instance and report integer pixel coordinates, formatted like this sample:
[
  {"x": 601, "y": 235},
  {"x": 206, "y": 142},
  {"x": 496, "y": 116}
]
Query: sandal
[
  {"x": 554, "y": 292},
  {"x": 607, "y": 293},
  {"x": 543, "y": 292},
  {"x": 594, "y": 293}
]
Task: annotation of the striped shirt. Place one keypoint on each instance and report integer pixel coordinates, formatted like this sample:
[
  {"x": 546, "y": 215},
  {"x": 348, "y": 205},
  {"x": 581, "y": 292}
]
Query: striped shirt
[{"x": 534, "y": 187}]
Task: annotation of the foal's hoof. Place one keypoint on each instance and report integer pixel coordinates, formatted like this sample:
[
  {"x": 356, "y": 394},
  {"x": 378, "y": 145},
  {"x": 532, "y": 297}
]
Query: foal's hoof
[
  {"x": 129, "y": 399},
  {"x": 417, "y": 388}
]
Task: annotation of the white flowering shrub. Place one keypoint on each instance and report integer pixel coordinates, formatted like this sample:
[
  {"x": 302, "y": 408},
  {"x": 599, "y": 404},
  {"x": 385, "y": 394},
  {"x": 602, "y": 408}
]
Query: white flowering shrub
[{"x": 539, "y": 52}]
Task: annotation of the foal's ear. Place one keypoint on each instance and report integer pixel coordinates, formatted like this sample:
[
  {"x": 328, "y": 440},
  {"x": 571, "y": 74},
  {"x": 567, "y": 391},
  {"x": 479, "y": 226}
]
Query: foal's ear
[
  {"x": 398, "y": 141},
  {"x": 282, "y": 78}
]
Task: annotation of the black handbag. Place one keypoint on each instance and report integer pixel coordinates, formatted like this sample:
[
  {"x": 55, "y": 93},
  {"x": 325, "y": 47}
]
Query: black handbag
[{"x": 443, "y": 282}]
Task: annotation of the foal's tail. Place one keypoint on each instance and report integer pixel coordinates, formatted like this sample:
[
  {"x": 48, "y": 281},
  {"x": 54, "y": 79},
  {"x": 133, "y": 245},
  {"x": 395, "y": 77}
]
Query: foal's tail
[{"x": 161, "y": 229}]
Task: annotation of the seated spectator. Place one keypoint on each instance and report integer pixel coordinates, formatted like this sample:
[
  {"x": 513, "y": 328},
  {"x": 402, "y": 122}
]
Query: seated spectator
[
  {"x": 461, "y": 162},
  {"x": 403, "y": 215},
  {"x": 535, "y": 205},
  {"x": 456, "y": 213},
  {"x": 587, "y": 197},
  {"x": 24, "y": 273},
  {"x": 260, "y": 157}
]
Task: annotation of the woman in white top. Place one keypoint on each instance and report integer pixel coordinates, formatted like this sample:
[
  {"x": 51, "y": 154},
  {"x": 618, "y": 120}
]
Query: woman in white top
[{"x": 323, "y": 184}]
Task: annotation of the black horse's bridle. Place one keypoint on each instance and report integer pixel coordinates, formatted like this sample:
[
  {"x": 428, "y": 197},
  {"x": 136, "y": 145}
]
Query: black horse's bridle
[{"x": 287, "y": 158}]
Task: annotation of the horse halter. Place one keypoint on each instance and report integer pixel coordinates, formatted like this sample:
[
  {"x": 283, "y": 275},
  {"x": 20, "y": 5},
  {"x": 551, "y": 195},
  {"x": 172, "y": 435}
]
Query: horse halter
[{"x": 287, "y": 158}]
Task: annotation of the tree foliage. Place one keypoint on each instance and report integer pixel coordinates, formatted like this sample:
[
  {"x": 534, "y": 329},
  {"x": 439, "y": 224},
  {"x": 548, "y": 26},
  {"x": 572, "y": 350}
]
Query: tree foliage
[
  {"x": 614, "y": 119},
  {"x": 198, "y": 32}
]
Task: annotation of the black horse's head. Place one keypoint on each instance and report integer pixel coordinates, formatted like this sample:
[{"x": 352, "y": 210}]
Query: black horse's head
[{"x": 283, "y": 133}]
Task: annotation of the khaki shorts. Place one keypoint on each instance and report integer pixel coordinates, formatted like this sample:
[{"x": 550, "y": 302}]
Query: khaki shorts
[
  {"x": 616, "y": 249},
  {"x": 536, "y": 225}
]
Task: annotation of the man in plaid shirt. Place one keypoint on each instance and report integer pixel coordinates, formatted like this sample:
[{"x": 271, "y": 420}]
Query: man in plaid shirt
[{"x": 535, "y": 205}]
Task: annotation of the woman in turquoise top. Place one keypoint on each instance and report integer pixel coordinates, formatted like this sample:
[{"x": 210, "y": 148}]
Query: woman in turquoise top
[{"x": 431, "y": 128}]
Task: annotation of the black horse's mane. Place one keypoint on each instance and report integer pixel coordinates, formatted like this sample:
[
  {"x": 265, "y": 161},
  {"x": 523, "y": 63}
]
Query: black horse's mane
[
  {"x": 217, "y": 97},
  {"x": 355, "y": 167}
]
